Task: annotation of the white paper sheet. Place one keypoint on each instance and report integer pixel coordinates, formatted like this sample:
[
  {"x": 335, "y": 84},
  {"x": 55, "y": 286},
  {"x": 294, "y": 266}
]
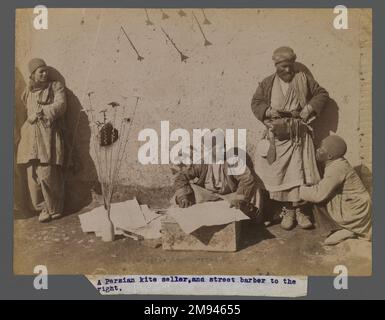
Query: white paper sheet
[
  {"x": 205, "y": 214},
  {"x": 125, "y": 216}
]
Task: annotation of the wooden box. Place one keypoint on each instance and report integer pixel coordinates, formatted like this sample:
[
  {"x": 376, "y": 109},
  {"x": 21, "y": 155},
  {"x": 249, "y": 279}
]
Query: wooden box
[{"x": 213, "y": 238}]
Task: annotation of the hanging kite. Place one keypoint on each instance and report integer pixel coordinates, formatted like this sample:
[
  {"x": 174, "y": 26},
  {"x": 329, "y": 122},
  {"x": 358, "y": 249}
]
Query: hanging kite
[
  {"x": 206, "y": 21},
  {"x": 183, "y": 57},
  {"x": 139, "y": 57},
  {"x": 164, "y": 15},
  {"x": 148, "y": 21},
  {"x": 182, "y": 13},
  {"x": 207, "y": 42}
]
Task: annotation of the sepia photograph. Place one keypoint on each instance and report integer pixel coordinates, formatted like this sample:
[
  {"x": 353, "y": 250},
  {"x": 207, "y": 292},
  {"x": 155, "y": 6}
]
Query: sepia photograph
[{"x": 190, "y": 141}]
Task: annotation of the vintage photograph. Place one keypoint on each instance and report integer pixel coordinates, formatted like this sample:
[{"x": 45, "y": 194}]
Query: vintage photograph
[{"x": 193, "y": 141}]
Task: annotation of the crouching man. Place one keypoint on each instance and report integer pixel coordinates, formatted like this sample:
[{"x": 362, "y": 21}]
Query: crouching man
[
  {"x": 202, "y": 182},
  {"x": 347, "y": 201}
]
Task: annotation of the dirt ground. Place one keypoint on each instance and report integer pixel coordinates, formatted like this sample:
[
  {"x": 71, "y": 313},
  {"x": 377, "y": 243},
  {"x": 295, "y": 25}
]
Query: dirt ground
[{"x": 65, "y": 249}]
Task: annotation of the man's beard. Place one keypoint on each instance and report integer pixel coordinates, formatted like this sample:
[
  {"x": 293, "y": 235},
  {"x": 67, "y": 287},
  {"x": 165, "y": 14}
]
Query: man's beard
[{"x": 286, "y": 76}]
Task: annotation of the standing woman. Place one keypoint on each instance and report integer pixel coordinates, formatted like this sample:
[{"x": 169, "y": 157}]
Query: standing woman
[{"x": 41, "y": 147}]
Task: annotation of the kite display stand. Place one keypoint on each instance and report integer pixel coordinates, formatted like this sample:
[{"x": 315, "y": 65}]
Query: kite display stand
[{"x": 109, "y": 144}]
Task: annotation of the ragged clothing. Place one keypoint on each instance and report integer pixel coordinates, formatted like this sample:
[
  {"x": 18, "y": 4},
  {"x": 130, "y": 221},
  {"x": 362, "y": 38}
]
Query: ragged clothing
[
  {"x": 347, "y": 201},
  {"x": 43, "y": 140},
  {"x": 316, "y": 96},
  {"x": 46, "y": 186},
  {"x": 41, "y": 146},
  {"x": 217, "y": 180},
  {"x": 293, "y": 161}
]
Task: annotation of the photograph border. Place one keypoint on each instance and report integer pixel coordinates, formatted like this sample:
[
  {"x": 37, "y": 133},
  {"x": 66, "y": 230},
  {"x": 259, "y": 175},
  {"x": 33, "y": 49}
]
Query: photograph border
[{"x": 77, "y": 286}]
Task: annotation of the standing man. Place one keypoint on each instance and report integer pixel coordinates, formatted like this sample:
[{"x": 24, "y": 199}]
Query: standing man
[
  {"x": 286, "y": 102},
  {"x": 41, "y": 147}
]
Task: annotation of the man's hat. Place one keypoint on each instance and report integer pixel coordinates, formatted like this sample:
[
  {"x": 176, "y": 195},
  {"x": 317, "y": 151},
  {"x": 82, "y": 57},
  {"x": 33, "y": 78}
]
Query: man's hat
[
  {"x": 36, "y": 63},
  {"x": 334, "y": 146},
  {"x": 283, "y": 54}
]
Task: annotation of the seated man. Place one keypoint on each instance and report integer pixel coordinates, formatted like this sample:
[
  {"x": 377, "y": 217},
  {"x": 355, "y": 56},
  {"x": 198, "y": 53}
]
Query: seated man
[
  {"x": 199, "y": 183},
  {"x": 348, "y": 203}
]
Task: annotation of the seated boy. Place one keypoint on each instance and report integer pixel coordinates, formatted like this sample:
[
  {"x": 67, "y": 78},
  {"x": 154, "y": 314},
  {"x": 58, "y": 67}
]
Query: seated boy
[{"x": 347, "y": 201}]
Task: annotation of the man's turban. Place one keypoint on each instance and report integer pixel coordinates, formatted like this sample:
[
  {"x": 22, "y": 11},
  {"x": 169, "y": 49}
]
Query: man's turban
[
  {"x": 36, "y": 63},
  {"x": 283, "y": 54}
]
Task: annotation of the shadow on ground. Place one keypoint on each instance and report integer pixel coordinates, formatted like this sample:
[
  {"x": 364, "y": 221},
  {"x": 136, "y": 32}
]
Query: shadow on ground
[{"x": 65, "y": 249}]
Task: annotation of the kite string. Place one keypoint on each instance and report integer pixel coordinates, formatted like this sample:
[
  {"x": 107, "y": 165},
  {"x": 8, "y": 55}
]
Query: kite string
[
  {"x": 111, "y": 149},
  {"x": 119, "y": 164},
  {"x": 105, "y": 195},
  {"x": 94, "y": 139},
  {"x": 96, "y": 147},
  {"x": 121, "y": 139},
  {"x": 123, "y": 125}
]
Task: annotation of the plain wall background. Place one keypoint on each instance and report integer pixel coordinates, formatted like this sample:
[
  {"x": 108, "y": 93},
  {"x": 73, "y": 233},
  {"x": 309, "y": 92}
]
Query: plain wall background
[{"x": 212, "y": 89}]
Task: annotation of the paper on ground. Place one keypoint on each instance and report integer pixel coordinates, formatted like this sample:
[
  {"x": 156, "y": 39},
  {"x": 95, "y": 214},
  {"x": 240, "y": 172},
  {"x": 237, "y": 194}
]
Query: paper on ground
[
  {"x": 125, "y": 216},
  {"x": 233, "y": 286},
  {"x": 205, "y": 214}
]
